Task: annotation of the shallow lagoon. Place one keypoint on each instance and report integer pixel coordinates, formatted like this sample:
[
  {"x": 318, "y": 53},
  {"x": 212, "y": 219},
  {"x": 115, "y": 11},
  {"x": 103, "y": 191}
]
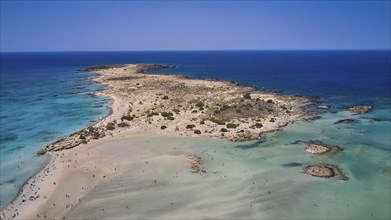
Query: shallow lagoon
[{"x": 257, "y": 179}]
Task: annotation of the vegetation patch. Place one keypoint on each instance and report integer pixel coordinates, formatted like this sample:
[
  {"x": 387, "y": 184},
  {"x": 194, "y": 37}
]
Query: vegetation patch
[
  {"x": 200, "y": 104},
  {"x": 123, "y": 124},
  {"x": 163, "y": 127},
  {"x": 247, "y": 96},
  {"x": 223, "y": 130},
  {"x": 127, "y": 117},
  {"x": 219, "y": 122},
  {"x": 258, "y": 125},
  {"x": 190, "y": 126},
  {"x": 230, "y": 125},
  {"x": 110, "y": 126},
  {"x": 224, "y": 107},
  {"x": 197, "y": 132},
  {"x": 152, "y": 114},
  {"x": 167, "y": 114}
]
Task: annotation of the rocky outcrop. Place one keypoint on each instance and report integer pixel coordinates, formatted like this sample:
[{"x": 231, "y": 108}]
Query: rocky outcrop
[
  {"x": 325, "y": 171},
  {"x": 359, "y": 109},
  {"x": 75, "y": 139},
  {"x": 318, "y": 147},
  {"x": 195, "y": 162}
]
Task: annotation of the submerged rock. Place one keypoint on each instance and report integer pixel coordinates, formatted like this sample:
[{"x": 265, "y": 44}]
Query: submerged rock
[
  {"x": 293, "y": 164},
  {"x": 346, "y": 121},
  {"x": 359, "y": 109},
  {"x": 325, "y": 171},
  {"x": 195, "y": 162}
]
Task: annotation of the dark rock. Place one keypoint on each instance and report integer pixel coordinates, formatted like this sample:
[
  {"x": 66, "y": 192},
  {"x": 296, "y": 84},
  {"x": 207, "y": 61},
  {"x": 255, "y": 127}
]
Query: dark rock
[{"x": 346, "y": 121}]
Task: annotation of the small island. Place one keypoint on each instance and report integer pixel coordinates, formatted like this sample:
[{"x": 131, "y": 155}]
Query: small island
[
  {"x": 325, "y": 171},
  {"x": 318, "y": 147},
  {"x": 174, "y": 104}
]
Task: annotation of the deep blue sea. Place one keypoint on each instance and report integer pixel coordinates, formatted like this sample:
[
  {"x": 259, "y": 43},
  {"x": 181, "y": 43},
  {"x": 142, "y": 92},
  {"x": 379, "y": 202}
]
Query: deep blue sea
[{"x": 43, "y": 97}]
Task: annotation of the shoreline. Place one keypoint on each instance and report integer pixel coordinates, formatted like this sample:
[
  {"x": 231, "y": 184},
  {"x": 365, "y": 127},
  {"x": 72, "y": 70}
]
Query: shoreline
[{"x": 20, "y": 206}]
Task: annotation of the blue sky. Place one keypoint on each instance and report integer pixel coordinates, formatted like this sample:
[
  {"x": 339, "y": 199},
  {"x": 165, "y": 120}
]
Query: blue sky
[{"x": 194, "y": 25}]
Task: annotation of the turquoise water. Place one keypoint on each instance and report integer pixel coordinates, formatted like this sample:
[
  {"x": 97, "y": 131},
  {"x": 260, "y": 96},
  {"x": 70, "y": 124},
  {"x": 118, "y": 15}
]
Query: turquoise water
[
  {"x": 39, "y": 106},
  {"x": 249, "y": 180},
  {"x": 276, "y": 165},
  {"x": 46, "y": 98}
]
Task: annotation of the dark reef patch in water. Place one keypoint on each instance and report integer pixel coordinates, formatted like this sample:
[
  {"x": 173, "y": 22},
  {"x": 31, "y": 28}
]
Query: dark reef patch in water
[
  {"x": 8, "y": 138},
  {"x": 297, "y": 142},
  {"x": 293, "y": 164},
  {"x": 346, "y": 121},
  {"x": 250, "y": 145},
  {"x": 46, "y": 136},
  {"x": 18, "y": 148}
]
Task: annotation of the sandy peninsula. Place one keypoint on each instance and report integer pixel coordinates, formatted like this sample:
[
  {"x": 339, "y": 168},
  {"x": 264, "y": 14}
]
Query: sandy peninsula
[{"x": 147, "y": 105}]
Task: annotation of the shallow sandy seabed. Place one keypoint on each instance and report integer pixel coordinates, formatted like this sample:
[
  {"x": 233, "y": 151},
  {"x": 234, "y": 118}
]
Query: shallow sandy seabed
[{"x": 118, "y": 172}]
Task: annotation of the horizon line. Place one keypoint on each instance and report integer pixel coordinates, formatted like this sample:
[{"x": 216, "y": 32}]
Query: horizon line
[{"x": 224, "y": 50}]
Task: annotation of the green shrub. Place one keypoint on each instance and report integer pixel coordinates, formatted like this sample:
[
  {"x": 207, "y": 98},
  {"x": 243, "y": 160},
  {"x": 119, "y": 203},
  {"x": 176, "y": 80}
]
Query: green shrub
[
  {"x": 202, "y": 122},
  {"x": 110, "y": 126},
  {"x": 152, "y": 114},
  {"x": 127, "y": 117},
  {"x": 219, "y": 122},
  {"x": 269, "y": 101},
  {"x": 123, "y": 124},
  {"x": 224, "y": 107},
  {"x": 200, "y": 104},
  {"x": 272, "y": 120},
  {"x": 165, "y": 97},
  {"x": 95, "y": 135},
  {"x": 197, "y": 132},
  {"x": 167, "y": 114},
  {"x": 176, "y": 110},
  {"x": 163, "y": 127},
  {"x": 194, "y": 111},
  {"x": 82, "y": 137},
  {"x": 223, "y": 130},
  {"x": 258, "y": 125},
  {"x": 230, "y": 125},
  {"x": 170, "y": 118},
  {"x": 247, "y": 96},
  {"x": 190, "y": 126}
]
